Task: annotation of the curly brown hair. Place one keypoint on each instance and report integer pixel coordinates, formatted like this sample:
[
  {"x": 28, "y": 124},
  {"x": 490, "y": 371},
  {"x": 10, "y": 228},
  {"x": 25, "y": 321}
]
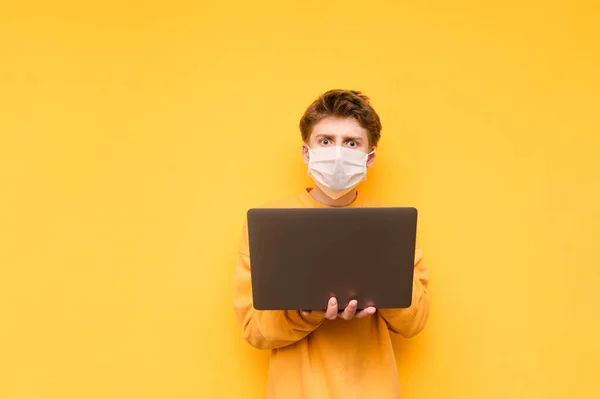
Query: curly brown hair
[{"x": 342, "y": 104}]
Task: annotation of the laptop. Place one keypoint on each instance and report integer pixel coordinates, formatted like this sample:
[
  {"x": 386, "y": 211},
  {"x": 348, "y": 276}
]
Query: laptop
[{"x": 300, "y": 257}]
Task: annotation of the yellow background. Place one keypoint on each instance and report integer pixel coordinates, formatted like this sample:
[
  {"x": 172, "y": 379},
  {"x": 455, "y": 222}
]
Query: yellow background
[{"x": 134, "y": 135}]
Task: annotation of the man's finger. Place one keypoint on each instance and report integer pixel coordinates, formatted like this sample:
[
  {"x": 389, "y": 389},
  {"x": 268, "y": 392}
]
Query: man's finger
[
  {"x": 350, "y": 310},
  {"x": 366, "y": 312},
  {"x": 332, "y": 309}
]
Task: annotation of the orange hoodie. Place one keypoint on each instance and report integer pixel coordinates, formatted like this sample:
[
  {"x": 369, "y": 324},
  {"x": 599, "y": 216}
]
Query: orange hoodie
[{"x": 315, "y": 358}]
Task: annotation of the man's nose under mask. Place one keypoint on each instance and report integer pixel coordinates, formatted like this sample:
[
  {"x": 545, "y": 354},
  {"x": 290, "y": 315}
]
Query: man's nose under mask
[{"x": 337, "y": 170}]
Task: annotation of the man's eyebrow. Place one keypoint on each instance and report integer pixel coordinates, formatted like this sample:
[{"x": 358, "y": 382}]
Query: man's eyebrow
[
  {"x": 353, "y": 138},
  {"x": 329, "y": 135}
]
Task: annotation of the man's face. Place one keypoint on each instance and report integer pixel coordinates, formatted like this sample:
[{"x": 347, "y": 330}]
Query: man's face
[{"x": 343, "y": 132}]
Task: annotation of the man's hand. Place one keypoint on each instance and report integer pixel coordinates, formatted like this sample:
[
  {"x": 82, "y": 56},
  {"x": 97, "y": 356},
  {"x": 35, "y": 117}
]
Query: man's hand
[{"x": 350, "y": 312}]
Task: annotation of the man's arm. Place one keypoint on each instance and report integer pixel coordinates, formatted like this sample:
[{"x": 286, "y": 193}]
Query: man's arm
[
  {"x": 266, "y": 329},
  {"x": 410, "y": 321}
]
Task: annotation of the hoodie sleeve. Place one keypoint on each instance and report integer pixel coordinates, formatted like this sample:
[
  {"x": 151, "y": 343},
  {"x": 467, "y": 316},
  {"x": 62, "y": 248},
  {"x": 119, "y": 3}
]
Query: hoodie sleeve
[
  {"x": 410, "y": 321},
  {"x": 266, "y": 329}
]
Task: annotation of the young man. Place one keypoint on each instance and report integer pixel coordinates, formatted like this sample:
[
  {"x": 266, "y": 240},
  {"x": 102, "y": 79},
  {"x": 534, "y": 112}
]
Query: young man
[{"x": 331, "y": 354}]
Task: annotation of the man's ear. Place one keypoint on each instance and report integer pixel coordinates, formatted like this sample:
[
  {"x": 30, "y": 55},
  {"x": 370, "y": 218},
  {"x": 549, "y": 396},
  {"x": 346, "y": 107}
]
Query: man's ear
[
  {"x": 305, "y": 153},
  {"x": 371, "y": 158}
]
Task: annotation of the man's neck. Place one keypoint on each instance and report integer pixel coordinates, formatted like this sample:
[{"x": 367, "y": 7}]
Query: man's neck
[{"x": 326, "y": 200}]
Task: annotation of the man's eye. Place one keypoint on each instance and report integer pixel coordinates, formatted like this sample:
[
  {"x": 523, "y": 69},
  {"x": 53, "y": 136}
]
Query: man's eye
[
  {"x": 325, "y": 142},
  {"x": 352, "y": 144}
]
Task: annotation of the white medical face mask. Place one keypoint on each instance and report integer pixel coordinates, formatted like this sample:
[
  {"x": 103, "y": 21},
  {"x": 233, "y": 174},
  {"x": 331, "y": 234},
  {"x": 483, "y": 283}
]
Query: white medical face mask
[{"x": 337, "y": 170}]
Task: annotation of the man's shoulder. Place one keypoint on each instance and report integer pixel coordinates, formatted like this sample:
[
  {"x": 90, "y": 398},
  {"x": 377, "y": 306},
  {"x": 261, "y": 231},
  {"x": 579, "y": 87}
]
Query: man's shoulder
[
  {"x": 368, "y": 200},
  {"x": 376, "y": 202},
  {"x": 285, "y": 202},
  {"x": 293, "y": 201}
]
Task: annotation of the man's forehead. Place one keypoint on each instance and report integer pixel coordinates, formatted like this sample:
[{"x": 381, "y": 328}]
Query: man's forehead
[{"x": 339, "y": 127}]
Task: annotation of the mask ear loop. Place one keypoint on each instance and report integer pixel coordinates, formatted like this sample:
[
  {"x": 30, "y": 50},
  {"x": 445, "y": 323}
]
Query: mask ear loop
[
  {"x": 309, "y": 159},
  {"x": 368, "y": 155}
]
